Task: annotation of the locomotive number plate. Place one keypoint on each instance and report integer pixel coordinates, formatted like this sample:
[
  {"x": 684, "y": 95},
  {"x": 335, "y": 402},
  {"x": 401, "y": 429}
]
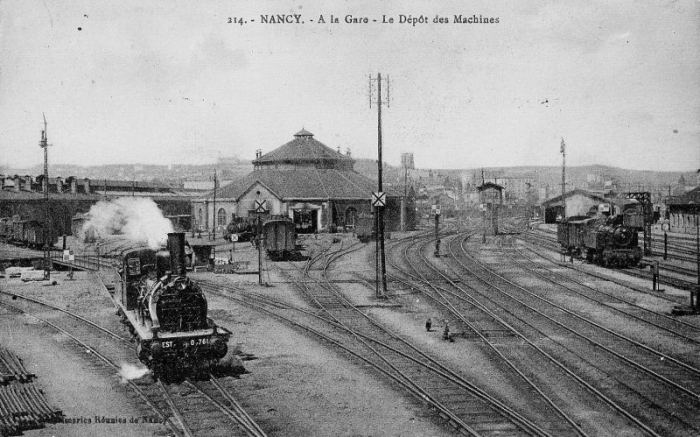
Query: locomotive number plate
[
  {"x": 193, "y": 342},
  {"x": 185, "y": 343}
]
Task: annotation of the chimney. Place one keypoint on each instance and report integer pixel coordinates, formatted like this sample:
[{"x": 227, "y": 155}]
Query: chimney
[
  {"x": 28, "y": 183},
  {"x": 2, "y": 182},
  {"x": 87, "y": 185},
  {"x": 44, "y": 183},
  {"x": 176, "y": 247},
  {"x": 73, "y": 181},
  {"x": 59, "y": 185},
  {"x": 16, "y": 180},
  {"x": 347, "y": 152}
]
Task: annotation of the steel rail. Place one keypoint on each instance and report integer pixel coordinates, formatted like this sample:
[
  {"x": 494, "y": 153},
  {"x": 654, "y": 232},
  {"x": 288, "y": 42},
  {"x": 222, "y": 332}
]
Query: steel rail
[
  {"x": 455, "y": 311},
  {"x": 606, "y": 399},
  {"x": 126, "y": 342},
  {"x": 610, "y": 295},
  {"x": 400, "y": 380},
  {"x": 597, "y": 325},
  {"x": 166, "y": 420},
  {"x": 427, "y": 235}
]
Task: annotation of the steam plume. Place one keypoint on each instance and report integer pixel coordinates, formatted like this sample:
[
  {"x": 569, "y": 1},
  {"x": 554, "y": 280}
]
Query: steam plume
[
  {"x": 127, "y": 372},
  {"x": 135, "y": 218}
]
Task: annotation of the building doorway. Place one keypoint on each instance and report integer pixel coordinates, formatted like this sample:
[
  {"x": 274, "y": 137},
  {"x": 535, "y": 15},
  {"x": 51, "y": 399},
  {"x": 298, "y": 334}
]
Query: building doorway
[
  {"x": 350, "y": 217},
  {"x": 305, "y": 221}
]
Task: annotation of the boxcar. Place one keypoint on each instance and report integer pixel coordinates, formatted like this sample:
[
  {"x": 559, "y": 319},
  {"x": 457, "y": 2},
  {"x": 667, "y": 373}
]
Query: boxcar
[
  {"x": 19, "y": 230},
  {"x": 279, "y": 239},
  {"x": 35, "y": 237},
  {"x": 571, "y": 234}
]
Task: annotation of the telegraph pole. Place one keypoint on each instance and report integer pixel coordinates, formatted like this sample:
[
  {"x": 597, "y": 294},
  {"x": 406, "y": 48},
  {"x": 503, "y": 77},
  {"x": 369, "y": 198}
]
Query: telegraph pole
[
  {"x": 380, "y": 209},
  {"x": 563, "y": 178},
  {"x": 697, "y": 255},
  {"x": 483, "y": 205},
  {"x": 214, "y": 215},
  {"x": 44, "y": 144}
]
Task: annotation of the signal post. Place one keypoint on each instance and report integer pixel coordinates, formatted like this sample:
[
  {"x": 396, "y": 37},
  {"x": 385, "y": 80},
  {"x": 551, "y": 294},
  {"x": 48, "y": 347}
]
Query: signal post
[{"x": 260, "y": 208}]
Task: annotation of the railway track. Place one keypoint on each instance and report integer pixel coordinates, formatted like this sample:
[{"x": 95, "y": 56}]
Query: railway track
[
  {"x": 193, "y": 408},
  {"x": 337, "y": 321},
  {"x": 632, "y": 370},
  {"x": 549, "y": 270},
  {"x": 684, "y": 281},
  {"x": 524, "y": 358}
]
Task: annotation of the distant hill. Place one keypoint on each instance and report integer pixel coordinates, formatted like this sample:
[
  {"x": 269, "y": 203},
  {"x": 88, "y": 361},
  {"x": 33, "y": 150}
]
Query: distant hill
[
  {"x": 576, "y": 177},
  {"x": 234, "y": 168}
]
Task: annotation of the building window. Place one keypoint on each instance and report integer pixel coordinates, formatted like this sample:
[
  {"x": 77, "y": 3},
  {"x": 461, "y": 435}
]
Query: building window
[
  {"x": 221, "y": 217},
  {"x": 200, "y": 217}
]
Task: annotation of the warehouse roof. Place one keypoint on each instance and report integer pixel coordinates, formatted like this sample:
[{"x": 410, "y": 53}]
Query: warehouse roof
[
  {"x": 23, "y": 195},
  {"x": 557, "y": 199}
]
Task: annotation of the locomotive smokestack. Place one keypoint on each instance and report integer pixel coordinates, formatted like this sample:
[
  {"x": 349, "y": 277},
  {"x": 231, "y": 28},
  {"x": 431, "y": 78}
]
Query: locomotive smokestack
[{"x": 176, "y": 247}]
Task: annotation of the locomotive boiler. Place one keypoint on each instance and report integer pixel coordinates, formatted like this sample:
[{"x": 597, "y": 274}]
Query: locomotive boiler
[{"x": 166, "y": 311}]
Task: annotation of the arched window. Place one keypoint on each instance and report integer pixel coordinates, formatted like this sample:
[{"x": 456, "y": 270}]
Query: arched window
[{"x": 221, "y": 217}]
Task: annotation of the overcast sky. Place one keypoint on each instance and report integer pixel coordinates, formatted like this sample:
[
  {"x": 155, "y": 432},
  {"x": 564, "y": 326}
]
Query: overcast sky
[{"x": 163, "y": 82}]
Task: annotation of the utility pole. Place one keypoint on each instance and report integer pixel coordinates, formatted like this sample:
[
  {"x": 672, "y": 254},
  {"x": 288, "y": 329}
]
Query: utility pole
[
  {"x": 380, "y": 209},
  {"x": 214, "y": 214},
  {"x": 260, "y": 251},
  {"x": 48, "y": 231},
  {"x": 483, "y": 205},
  {"x": 563, "y": 178},
  {"x": 697, "y": 255},
  {"x": 406, "y": 162}
]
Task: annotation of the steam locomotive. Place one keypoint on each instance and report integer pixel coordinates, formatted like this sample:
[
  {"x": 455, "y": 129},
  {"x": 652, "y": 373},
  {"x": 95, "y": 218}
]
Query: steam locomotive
[
  {"x": 243, "y": 231},
  {"x": 608, "y": 242},
  {"x": 167, "y": 312}
]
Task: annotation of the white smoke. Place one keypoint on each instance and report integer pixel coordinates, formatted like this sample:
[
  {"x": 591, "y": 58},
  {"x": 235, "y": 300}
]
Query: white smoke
[
  {"x": 135, "y": 218},
  {"x": 127, "y": 372}
]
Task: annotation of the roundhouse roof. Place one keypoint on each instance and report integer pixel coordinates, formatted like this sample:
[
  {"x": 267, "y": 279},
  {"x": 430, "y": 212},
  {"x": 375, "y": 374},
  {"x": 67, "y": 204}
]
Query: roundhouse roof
[
  {"x": 303, "y": 148},
  {"x": 305, "y": 183}
]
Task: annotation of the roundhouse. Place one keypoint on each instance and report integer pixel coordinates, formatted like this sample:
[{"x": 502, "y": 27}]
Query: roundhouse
[{"x": 306, "y": 181}]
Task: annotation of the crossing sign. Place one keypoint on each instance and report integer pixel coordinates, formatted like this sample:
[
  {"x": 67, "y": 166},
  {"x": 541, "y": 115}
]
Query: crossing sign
[
  {"x": 68, "y": 255},
  {"x": 379, "y": 198},
  {"x": 435, "y": 209},
  {"x": 260, "y": 206}
]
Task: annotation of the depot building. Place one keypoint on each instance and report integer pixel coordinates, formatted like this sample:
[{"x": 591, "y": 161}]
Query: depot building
[{"x": 308, "y": 182}]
